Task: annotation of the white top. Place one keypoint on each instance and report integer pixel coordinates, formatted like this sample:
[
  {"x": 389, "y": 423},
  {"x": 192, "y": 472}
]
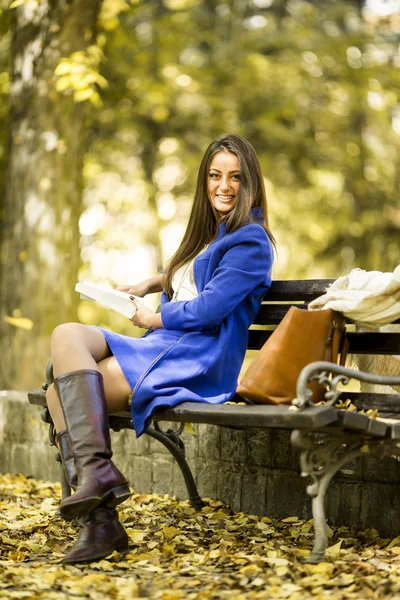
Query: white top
[{"x": 183, "y": 282}]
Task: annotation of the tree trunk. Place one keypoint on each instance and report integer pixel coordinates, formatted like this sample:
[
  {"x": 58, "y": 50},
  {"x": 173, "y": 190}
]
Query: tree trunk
[{"x": 41, "y": 205}]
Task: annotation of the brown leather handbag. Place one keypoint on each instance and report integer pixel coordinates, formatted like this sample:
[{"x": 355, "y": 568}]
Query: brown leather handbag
[{"x": 301, "y": 337}]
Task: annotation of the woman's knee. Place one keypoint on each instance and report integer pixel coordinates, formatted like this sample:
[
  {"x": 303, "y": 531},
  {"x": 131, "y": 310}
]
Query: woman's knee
[
  {"x": 67, "y": 334},
  {"x": 77, "y": 338},
  {"x": 65, "y": 331}
]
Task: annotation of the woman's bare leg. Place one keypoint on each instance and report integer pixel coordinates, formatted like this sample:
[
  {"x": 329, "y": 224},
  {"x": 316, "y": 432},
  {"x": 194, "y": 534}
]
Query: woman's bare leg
[{"x": 75, "y": 347}]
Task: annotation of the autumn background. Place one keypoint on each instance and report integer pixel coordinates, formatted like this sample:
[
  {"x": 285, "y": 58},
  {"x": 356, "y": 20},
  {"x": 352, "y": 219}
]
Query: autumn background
[{"x": 107, "y": 107}]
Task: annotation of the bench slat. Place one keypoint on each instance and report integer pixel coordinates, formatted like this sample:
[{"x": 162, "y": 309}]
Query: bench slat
[
  {"x": 298, "y": 289},
  {"x": 374, "y": 343},
  {"x": 272, "y": 314},
  {"x": 37, "y": 397},
  {"x": 385, "y": 403},
  {"x": 362, "y": 423},
  {"x": 230, "y": 414},
  {"x": 249, "y": 416},
  {"x": 359, "y": 343},
  {"x": 395, "y": 431}
]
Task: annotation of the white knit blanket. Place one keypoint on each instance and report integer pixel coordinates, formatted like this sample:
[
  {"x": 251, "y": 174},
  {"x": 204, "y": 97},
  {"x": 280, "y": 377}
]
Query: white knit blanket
[{"x": 369, "y": 298}]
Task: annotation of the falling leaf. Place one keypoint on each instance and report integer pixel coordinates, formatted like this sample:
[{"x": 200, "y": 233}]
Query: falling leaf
[{"x": 20, "y": 322}]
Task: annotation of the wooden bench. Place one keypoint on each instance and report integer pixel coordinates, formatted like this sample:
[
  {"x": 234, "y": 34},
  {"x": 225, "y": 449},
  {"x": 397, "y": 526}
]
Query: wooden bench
[{"x": 342, "y": 434}]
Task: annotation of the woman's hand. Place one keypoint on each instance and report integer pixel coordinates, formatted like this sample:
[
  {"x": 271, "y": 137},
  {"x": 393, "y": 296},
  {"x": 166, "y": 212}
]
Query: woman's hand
[
  {"x": 138, "y": 289},
  {"x": 148, "y": 286},
  {"x": 144, "y": 317}
]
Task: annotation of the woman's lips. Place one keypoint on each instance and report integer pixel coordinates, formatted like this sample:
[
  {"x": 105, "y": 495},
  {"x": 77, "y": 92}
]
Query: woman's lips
[{"x": 225, "y": 198}]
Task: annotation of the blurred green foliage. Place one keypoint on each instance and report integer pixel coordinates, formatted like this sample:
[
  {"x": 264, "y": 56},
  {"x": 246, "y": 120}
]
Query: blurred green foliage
[{"x": 314, "y": 86}]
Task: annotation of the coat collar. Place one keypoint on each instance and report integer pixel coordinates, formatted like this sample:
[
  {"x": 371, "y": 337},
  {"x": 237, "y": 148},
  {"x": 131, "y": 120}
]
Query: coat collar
[{"x": 256, "y": 215}]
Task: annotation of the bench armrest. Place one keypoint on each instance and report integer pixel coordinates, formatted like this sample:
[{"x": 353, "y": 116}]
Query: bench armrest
[{"x": 319, "y": 371}]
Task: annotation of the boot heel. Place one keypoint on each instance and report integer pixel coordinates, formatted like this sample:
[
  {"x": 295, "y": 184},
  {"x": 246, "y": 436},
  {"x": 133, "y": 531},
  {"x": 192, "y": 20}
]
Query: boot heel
[
  {"x": 117, "y": 495},
  {"x": 123, "y": 547}
]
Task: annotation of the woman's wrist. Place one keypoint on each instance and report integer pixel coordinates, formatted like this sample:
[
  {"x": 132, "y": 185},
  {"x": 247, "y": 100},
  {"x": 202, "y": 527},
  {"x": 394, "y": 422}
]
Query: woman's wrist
[
  {"x": 155, "y": 321},
  {"x": 155, "y": 284}
]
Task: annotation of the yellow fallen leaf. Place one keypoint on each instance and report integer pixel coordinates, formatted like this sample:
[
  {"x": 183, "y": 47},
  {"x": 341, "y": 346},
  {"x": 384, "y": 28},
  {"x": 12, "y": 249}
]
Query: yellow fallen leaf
[
  {"x": 321, "y": 568},
  {"x": 20, "y": 322},
  {"x": 170, "y": 532},
  {"x": 189, "y": 428},
  {"x": 342, "y": 580},
  {"x": 188, "y": 510},
  {"x": 290, "y": 520},
  {"x": 264, "y": 527},
  {"x": 266, "y": 520},
  {"x": 334, "y": 551},
  {"x": 277, "y": 562},
  {"x": 394, "y": 542},
  {"x": 173, "y": 595},
  {"x": 290, "y": 588},
  {"x": 257, "y": 582},
  {"x": 136, "y": 535},
  {"x": 215, "y": 553},
  {"x": 9, "y": 541},
  {"x": 395, "y": 549},
  {"x": 17, "y": 556}
]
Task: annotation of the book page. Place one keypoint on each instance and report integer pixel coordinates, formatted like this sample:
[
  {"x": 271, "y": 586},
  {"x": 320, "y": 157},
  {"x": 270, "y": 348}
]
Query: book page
[{"x": 108, "y": 297}]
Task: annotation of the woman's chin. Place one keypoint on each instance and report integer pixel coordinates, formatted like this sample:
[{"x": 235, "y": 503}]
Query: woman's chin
[{"x": 224, "y": 211}]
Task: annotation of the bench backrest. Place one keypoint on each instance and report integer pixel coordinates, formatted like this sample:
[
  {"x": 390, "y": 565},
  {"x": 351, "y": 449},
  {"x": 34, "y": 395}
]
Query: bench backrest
[{"x": 284, "y": 294}]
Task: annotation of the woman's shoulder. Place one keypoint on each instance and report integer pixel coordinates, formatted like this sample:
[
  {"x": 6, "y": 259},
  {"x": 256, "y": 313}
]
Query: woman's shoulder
[{"x": 249, "y": 231}]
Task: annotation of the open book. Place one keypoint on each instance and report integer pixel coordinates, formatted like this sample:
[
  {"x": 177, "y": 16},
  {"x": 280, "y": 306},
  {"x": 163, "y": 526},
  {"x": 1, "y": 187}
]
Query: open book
[{"x": 114, "y": 299}]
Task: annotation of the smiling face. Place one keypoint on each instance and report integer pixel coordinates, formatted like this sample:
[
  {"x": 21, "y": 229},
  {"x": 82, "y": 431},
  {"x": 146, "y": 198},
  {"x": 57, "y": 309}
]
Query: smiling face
[{"x": 223, "y": 182}]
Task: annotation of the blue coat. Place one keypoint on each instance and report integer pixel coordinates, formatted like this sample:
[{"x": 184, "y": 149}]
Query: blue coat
[{"x": 205, "y": 339}]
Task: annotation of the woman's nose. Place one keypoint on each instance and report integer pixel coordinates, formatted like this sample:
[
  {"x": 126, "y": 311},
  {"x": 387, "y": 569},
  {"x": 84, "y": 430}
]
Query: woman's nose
[{"x": 224, "y": 183}]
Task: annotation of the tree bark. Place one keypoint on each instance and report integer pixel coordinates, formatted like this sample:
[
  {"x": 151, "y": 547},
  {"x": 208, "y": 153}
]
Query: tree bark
[{"x": 41, "y": 203}]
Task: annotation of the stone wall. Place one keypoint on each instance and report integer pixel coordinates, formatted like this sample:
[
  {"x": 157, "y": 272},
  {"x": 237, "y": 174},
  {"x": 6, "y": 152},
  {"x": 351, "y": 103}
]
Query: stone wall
[{"x": 254, "y": 471}]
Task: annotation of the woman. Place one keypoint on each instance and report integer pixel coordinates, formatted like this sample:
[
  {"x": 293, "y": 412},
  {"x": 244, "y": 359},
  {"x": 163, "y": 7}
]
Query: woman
[{"x": 192, "y": 351}]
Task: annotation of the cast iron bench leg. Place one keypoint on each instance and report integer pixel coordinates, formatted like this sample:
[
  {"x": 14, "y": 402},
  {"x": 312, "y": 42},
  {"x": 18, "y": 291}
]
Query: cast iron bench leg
[
  {"x": 320, "y": 459},
  {"x": 172, "y": 441},
  {"x": 174, "y": 444}
]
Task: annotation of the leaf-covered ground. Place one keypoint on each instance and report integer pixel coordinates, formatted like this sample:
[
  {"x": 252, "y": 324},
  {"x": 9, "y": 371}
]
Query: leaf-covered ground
[{"x": 177, "y": 553}]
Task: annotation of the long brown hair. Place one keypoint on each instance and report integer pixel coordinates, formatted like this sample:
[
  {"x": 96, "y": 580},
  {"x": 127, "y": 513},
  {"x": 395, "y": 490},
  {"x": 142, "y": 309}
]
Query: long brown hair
[{"x": 204, "y": 220}]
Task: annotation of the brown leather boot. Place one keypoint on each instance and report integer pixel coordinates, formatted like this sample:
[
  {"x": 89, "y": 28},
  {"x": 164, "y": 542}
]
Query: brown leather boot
[
  {"x": 82, "y": 399},
  {"x": 100, "y": 532},
  {"x": 64, "y": 446}
]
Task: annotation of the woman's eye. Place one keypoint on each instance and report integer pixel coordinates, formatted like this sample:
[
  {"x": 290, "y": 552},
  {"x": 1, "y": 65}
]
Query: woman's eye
[{"x": 213, "y": 175}]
